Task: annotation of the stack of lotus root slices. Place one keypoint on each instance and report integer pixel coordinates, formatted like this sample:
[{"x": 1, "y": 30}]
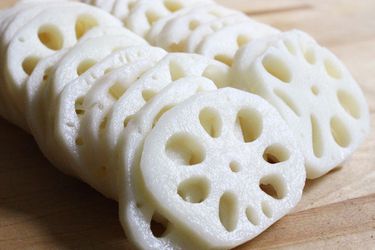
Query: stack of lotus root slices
[{"x": 193, "y": 116}]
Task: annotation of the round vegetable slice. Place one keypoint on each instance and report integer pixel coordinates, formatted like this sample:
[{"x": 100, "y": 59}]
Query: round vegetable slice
[
  {"x": 203, "y": 31},
  {"x": 223, "y": 166},
  {"x": 52, "y": 30},
  {"x": 135, "y": 208},
  {"x": 231, "y": 39},
  {"x": 173, "y": 35},
  {"x": 188, "y": 18},
  {"x": 145, "y": 13},
  {"x": 312, "y": 90},
  {"x": 70, "y": 109},
  {"x": 35, "y": 108}
]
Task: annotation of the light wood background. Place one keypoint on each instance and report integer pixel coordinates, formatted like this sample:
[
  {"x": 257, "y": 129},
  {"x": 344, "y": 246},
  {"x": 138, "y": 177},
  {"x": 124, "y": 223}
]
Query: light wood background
[{"x": 41, "y": 208}]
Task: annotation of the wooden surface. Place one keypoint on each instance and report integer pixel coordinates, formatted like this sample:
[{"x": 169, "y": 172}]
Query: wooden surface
[{"x": 41, "y": 208}]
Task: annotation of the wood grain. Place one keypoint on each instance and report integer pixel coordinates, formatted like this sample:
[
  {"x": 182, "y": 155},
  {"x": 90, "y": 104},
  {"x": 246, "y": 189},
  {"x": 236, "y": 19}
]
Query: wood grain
[{"x": 41, "y": 208}]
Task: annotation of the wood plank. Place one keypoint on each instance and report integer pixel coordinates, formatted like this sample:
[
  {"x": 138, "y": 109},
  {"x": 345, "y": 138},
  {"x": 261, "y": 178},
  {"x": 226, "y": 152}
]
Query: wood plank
[
  {"x": 320, "y": 224},
  {"x": 41, "y": 208}
]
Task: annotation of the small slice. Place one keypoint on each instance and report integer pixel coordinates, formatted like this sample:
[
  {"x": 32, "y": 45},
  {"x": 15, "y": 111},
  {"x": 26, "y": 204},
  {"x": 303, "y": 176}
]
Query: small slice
[
  {"x": 135, "y": 208},
  {"x": 70, "y": 109},
  {"x": 81, "y": 58},
  {"x": 52, "y": 30},
  {"x": 145, "y": 13},
  {"x": 204, "y": 11},
  {"x": 175, "y": 32},
  {"x": 224, "y": 43},
  {"x": 223, "y": 166},
  {"x": 201, "y": 32},
  {"x": 35, "y": 108},
  {"x": 313, "y": 91}
]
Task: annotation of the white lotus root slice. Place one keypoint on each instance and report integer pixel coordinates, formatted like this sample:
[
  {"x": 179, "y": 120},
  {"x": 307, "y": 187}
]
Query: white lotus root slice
[
  {"x": 24, "y": 14},
  {"x": 35, "y": 115},
  {"x": 11, "y": 21},
  {"x": 52, "y": 30},
  {"x": 175, "y": 32},
  {"x": 202, "y": 31},
  {"x": 70, "y": 110},
  {"x": 313, "y": 91},
  {"x": 135, "y": 208},
  {"x": 36, "y": 83},
  {"x": 77, "y": 61},
  {"x": 97, "y": 103},
  {"x": 231, "y": 39},
  {"x": 223, "y": 166},
  {"x": 144, "y": 13},
  {"x": 173, "y": 67},
  {"x": 186, "y": 18},
  {"x": 81, "y": 58}
]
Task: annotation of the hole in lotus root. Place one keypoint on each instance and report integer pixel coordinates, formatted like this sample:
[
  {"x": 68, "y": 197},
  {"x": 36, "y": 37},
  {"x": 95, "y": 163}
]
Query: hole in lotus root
[
  {"x": 290, "y": 47},
  {"x": 85, "y": 65},
  {"x": 316, "y": 135},
  {"x": 79, "y": 106},
  {"x": 273, "y": 185},
  {"x": 266, "y": 209},
  {"x": 309, "y": 55},
  {"x": 340, "y": 132},
  {"x": 235, "y": 167},
  {"x": 152, "y": 17},
  {"x": 158, "y": 225},
  {"x": 276, "y": 67},
  {"x": 84, "y": 23},
  {"x": 242, "y": 40},
  {"x": 51, "y": 37},
  {"x": 332, "y": 69},
  {"x": 349, "y": 103},
  {"x": 194, "y": 190},
  {"x": 252, "y": 216},
  {"x": 228, "y": 211},
  {"x": 117, "y": 90},
  {"x": 250, "y": 124},
  {"x": 185, "y": 149},
  {"x": 211, "y": 122},
  {"x": 172, "y": 5},
  {"x": 276, "y": 153},
  {"x": 148, "y": 94},
  {"x": 176, "y": 71},
  {"x": 29, "y": 64}
]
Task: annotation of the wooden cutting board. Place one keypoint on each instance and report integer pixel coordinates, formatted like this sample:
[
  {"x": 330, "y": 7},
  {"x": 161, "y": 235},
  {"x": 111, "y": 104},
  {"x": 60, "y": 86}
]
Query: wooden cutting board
[{"x": 41, "y": 208}]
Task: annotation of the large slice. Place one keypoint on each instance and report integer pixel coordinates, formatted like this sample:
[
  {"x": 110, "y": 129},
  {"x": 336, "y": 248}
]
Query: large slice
[
  {"x": 223, "y": 166},
  {"x": 135, "y": 206},
  {"x": 312, "y": 90}
]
